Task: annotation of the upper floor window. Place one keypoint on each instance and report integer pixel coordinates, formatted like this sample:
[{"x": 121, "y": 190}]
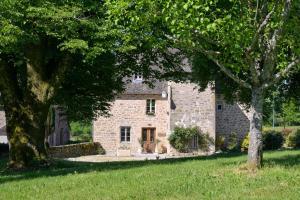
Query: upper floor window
[
  {"x": 125, "y": 134},
  {"x": 137, "y": 78},
  {"x": 150, "y": 109},
  {"x": 219, "y": 107}
]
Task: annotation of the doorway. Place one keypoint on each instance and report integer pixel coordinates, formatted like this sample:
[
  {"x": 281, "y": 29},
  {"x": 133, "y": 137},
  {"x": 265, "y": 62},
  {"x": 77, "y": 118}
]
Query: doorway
[{"x": 148, "y": 136}]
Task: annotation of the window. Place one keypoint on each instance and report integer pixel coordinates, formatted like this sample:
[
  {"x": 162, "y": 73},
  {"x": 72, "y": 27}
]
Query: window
[
  {"x": 193, "y": 144},
  {"x": 219, "y": 107},
  {"x": 137, "y": 78},
  {"x": 150, "y": 109},
  {"x": 125, "y": 134}
]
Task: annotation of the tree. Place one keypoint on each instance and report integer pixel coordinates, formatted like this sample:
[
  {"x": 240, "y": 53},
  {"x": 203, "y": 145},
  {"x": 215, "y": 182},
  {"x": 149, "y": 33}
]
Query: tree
[
  {"x": 289, "y": 112},
  {"x": 247, "y": 46},
  {"x": 55, "y": 52}
]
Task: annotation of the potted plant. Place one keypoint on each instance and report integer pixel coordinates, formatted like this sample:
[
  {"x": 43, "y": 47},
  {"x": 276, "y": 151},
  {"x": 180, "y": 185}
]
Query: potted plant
[{"x": 141, "y": 142}]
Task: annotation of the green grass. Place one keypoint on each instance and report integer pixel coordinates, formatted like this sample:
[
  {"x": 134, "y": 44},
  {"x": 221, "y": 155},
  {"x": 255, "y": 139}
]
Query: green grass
[{"x": 216, "y": 177}]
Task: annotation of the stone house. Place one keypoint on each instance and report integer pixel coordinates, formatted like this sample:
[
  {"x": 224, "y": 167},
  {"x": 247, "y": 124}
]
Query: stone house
[
  {"x": 60, "y": 133},
  {"x": 142, "y": 118}
]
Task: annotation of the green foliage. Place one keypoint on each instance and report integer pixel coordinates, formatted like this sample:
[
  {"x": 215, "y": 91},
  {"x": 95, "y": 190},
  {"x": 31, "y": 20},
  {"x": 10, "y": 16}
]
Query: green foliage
[
  {"x": 272, "y": 140},
  {"x": 81, "y": 131},
  {"x": 290, "y": 112},
  {"x": 220, "y": 143},
  {"x": 233, "y": 143},
  {"x": 181, "y": 137},
  {"x": 245, "y": 143},
  {"x": 293, "y": 139}
]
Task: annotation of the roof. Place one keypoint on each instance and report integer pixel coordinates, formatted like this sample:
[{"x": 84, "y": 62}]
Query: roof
[{"x": 143, "y": 88}]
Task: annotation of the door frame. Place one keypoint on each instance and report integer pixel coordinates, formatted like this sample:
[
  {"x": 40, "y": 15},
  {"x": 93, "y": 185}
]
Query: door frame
[{"x": 148, "y": 145}]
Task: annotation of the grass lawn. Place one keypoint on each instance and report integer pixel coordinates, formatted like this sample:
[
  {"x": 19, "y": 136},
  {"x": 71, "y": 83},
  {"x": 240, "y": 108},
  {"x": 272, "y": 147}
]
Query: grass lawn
[{"x": 216, "y": 177}]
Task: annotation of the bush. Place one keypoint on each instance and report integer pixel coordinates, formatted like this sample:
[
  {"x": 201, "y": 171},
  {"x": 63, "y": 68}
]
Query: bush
[
  {"x": 220, "y": 143},
  {"x": 272, "y": 140},
  {"x": 181, "y": 137},
  {"x": 232, "y": 143},
  {"x": 204, "y": 141},
  {"x": 293, "y": 139},
  {"x": 286, "y": 132},
  {"x": 245, "y": 143},
  {"x": 81, "y": 131}
]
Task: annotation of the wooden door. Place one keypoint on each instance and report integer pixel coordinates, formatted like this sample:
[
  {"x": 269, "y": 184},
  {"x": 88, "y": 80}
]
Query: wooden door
[{"x": 148, "y": 136}]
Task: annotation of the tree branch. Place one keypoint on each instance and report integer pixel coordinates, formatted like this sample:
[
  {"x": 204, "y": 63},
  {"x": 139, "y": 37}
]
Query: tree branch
[
  {"x": 226, "y": 70},
  {"x": 259, "y": 30},
  {"x": 284, "y": 16},
  {"x": 283, "y": 73}
]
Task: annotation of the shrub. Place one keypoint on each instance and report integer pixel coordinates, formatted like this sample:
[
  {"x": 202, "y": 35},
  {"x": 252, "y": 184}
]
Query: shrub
[
  {"x": 232, "y": 143},
  {"x": 204, "y": 141},
  {"x": 272, "y": 140},
  {"x": 245, "y": 143},
  {"x": 181, "y": 137},
  {"x": 293, "y": 139},
  {"x": 286, "y": 132},
  {"x": 220, "y": 143}
]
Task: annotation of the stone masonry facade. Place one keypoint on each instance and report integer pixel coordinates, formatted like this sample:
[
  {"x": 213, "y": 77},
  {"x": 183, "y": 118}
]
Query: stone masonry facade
[
  {"x": 231, "y": 119},
  {"x": 130, "y": 111},
  {"x": 3, "y": 138},
  {"x": 183, "y": 105},
  {"x": 60, "y": 134}
]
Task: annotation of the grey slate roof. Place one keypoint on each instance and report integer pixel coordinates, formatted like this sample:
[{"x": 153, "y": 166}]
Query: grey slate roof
[{"x": 142, "y": 88}]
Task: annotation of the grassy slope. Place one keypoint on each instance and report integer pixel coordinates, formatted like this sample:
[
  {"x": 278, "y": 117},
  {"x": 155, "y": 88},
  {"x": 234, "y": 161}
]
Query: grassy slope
[{"x": 216, "y": 177}]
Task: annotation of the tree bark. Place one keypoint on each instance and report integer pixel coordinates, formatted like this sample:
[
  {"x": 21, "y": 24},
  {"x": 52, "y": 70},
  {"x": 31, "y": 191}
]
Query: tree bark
[
  {"x": 26, "y": 133},
  {"x": 255, "y": 151}
]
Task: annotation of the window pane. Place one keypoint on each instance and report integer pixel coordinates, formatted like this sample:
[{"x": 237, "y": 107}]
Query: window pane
[
  {"x": 144, "y": 135},
  {"x": 122, "y": 139},
  {"x": 125, "y": 134},
  {"x": 128, "y": 134}
]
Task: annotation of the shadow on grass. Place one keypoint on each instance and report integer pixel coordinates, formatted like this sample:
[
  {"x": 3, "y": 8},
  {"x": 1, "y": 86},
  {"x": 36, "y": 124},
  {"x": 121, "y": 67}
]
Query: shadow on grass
[
  {"x": 284, "y": 161},
  {"x": 62, "y": 168}
]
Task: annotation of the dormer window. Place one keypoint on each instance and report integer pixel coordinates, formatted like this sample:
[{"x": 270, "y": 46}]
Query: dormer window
[
  {"x": 150, "y": 109},
  {"x": 137, "y": 78}
]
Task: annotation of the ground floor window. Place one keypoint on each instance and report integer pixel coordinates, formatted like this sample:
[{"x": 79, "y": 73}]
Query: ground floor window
[
  {"x": 125, "y": 134},
  {"x": 193, "y": 144}
]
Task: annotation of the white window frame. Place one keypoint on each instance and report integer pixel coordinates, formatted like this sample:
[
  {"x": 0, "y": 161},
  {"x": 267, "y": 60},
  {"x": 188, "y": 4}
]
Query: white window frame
[
  {"x": 137, "y": 78},
  {"x": 151, "y": 106},
  {"x": 127, "y": 134}
]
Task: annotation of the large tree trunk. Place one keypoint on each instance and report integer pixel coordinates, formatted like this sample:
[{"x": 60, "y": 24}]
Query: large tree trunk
[
  {"x": 26, "y": 133},
  {"x": 255, "y": 151}
]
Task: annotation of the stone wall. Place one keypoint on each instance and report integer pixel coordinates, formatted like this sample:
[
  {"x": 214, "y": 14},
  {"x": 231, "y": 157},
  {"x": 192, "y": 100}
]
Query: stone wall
[
  {"x": 232, "y": 118},
  {"x": 3, "y": 138},
  {"x": 59, "y": 136},
  {"x": 190, "y": 108},
  {"x": 76, "y": 150},
  {"x": 61, "y": 132},
  {"x": 130, "y": 110}
]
